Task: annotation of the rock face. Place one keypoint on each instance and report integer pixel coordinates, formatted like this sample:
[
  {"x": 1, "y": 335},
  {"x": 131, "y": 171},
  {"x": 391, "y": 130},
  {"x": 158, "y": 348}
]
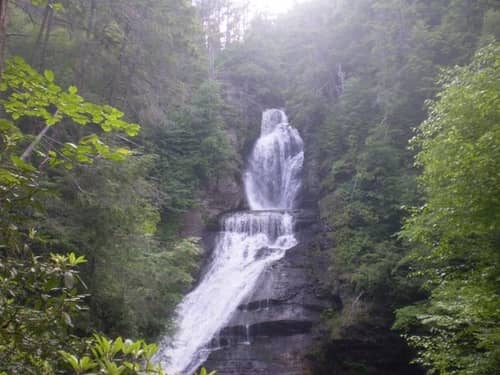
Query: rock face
[
  {"x": 273, "y": 329},
  {"x": 366, "y": 350},
  {"x": 223, "y": 194}
]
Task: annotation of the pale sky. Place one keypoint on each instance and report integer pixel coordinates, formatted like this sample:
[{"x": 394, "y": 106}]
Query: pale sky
[{"x": 273, "y": 6}]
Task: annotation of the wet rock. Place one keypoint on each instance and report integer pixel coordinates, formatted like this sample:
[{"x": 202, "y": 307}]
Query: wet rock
[
  {"x": 264, "y": 356},
  {"x": 224, "y": 194}
]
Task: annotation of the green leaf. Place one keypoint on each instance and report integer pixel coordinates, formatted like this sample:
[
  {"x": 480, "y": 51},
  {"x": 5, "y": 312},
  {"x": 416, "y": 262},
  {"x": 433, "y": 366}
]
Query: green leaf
[
  {"x": 132, "y": 130},
  {"x": 20, "y": 163},
  {"x": 71, "y": 360},
  {"x": 49, "y": 75},
  {"x": 57, "y": 7}
]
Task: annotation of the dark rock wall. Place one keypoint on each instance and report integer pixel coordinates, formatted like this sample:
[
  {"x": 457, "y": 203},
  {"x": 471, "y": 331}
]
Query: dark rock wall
[
  {"x": 365, "y": 350},
  {"x": 265, "y": 355}
]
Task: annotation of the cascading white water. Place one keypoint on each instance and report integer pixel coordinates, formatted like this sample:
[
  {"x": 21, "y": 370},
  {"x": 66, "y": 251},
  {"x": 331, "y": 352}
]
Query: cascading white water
[
  {"x": 248, "y": 242},
  {"x": 272, "y": 179}
]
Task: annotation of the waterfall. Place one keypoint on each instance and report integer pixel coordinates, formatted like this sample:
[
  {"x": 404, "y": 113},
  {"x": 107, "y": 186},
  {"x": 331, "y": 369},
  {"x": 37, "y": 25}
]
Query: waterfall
[
  {"x": 272, "y": 179},
  {"x": 248, "y": 243}
]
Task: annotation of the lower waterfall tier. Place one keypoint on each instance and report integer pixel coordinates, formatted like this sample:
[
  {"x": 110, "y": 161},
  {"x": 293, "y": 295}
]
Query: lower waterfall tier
[
  {"x": 246, "y": 245},
  {"x": 273, "y": 329}
]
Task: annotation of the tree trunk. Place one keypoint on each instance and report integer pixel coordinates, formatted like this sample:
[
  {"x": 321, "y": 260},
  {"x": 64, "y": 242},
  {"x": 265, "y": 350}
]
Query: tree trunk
[
  {"x": 117, "y": 73},
  {"x": 48, "y": 29},
  {"x": 86, "y": 48},
  {"x": 38, "y": 40},
  {"x": 3, "y": 30}
]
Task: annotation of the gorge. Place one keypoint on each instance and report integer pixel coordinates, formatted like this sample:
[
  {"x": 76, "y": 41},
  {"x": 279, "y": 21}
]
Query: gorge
[{"x": 145, "y": 190}]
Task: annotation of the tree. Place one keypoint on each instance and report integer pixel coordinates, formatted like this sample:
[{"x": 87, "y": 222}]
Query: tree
[
  {"x": 3, "y": 29},
  {"x": 39, "y": 296},
  {"x": 456, "y": 232},
  {"x": 148, "y": 59}
]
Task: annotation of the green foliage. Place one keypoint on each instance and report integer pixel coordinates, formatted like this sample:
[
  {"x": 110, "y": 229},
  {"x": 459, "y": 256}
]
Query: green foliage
[
  {"x": 459, "y": 153},
  {"x": 205, "y": 123},
  {"x": 110, "y": 212},
  {"x": 31, "y": 96},
  {"x": 146, "y": 58},
  {"x": 194, "y": 152},
  {"x": 19, "y": 189},
  {"x": 456, "y": 330},
  {"x": 40, "y": 298},
  {"x": 114, "y": 357},
  {"x": 456, "y": 231},
  {"x": 38, "y": 302},
  {"x": 35, "y": 96},
  {"x": 365, "y": 181},
  {"x": 204, "y": 371}
]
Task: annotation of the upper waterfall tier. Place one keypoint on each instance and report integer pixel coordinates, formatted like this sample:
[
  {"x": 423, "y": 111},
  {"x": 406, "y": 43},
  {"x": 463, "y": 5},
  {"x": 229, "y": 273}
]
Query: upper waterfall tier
[{"x": 273, "y": 176}]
